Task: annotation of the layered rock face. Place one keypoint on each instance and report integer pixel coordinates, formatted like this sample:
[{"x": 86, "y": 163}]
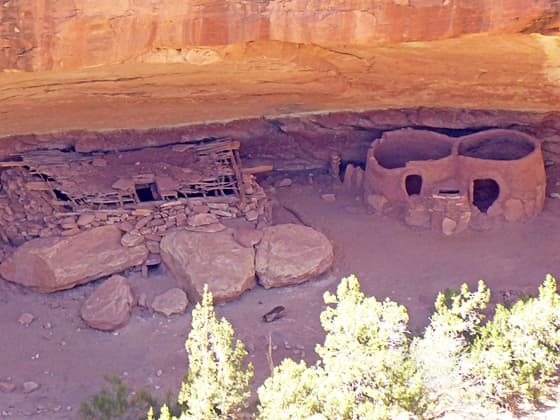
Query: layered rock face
[{"x": 45, "y": 35}]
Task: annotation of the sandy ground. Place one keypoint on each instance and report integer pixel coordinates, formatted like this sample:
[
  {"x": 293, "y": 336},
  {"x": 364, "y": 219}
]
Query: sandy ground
[
  {"x": 513, "y": 72},
  {"x": 68, "y": 360}
]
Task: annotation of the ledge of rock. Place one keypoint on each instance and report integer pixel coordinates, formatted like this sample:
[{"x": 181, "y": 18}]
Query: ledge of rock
[
  {"x": 216, "y": 259},
  {"x": 51, "y": 264},
  {"x": 109, "y": 306},
  {"x": 292, "y": 254}
]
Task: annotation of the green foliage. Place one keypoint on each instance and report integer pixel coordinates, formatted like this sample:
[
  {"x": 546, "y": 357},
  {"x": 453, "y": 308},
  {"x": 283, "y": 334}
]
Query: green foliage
[
  {"x": 441, "y": 351},
  {"x": 365, "y": 371},
  {"x": 291, "y": 392},
  {"x": 516, "y": 355},
  {"x": 113, "y": 402},
  {"x": 369, "y": 368},
  {"x": 217, "y": 384}
]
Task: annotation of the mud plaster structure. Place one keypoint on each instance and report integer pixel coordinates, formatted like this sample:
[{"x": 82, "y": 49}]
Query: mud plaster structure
[
  {"x": 146, "y": 191},
  {"x": 449, "y": 184}
]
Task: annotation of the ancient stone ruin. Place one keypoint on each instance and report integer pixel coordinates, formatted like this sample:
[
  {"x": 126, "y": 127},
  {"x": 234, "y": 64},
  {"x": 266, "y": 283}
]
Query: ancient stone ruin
[
  {"x": 62, "y": 192},
  {"x": 68, "y": 218},
  {"x": 449, "y": 184}
]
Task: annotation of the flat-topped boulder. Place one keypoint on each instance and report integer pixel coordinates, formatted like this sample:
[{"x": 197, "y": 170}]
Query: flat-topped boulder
[
  {"x": 109, "y": 306},
  {"x": 216, "y": 259},
  {"x": 51, "y": 264},
  {"x": 292, "y": 254}
]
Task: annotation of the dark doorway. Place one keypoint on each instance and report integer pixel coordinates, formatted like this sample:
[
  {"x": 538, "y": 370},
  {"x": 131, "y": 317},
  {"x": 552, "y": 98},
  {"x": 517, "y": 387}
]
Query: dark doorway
[
  {"x": 60, "y": 196},
  {"x": 413, "y": 184},
  {"x": 147, "y": 192},
  {"x": 485, "y": 193}
]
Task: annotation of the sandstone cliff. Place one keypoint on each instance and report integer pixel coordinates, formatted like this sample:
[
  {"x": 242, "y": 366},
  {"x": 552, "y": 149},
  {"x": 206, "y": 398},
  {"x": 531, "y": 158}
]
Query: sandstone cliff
[{"x": 47, "y": 34}]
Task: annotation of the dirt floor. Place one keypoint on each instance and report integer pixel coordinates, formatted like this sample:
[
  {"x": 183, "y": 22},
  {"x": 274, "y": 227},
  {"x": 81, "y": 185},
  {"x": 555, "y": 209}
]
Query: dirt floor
[{"x": 68, "y": 359}]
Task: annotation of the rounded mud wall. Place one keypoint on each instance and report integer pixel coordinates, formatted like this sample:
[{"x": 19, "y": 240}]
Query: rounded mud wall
[
  {"x": 505, "y": 173},
  {"x": 403, "y": 163},
  {"x": 450, "y": 183}
]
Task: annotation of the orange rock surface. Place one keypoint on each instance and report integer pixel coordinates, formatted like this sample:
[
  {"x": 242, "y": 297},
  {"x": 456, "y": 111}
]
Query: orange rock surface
[
  {"x": 44, "y": 34},
  {"x": 510, "y": 72}
]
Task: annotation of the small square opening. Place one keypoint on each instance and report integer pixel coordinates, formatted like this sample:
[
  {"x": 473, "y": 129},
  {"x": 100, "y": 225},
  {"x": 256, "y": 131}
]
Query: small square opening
[{"x": 147, "y": 192}]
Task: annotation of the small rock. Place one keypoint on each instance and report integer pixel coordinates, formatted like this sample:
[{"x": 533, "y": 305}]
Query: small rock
[
  {"x": 153, "y": 260},
  {"x": 70, "y": 220},
  {"x": 143, "y": 300},
  {"x": 417, "y": 216},
  {"x": 47, "y": 325},
  {"x": 284, "y": 182},
  {"x": 448, "y": 226},
  {"x": 172, "y": 302},
  {"x": 252, "y": 215},
  {"x": 30, "y": 386},
  {"x": 274, "y": 314},
  {"x": 26, "y": 319},
  {"x": 142, "y": 212},
  {"x": 201, "y": 219},
  {"x": 153, "y": 247},
  {"x": 212, "y": 228},
  {"x": 153, "y": 237},
  {"x": 126, "y": 226},
  {"x": 377, "y": 202},
  {"x": 349, "y": 176},
  {"x": 7, "y": 387},
  {"x": 86, "y": 219},
  {"x": 70, "y": 232},
  {"x": 159, "y": 373},
  {"x": 131, "y": 239},
  {"x": 201, "y": 208},
  {"x": 247, "y": 237},
  {"x": 329, "y": 197},
  {"x": 109, "y": 306},
  {"x": 101, "y": 217}
]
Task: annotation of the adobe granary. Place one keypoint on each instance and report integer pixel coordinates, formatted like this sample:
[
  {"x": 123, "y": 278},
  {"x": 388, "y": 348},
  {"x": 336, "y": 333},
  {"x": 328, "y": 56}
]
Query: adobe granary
[{"x": 450, "y": 183}]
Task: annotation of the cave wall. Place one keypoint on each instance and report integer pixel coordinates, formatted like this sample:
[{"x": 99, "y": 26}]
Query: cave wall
[
  {"x": 301, "y": 142},
  {"x": 46, "y": 34}
]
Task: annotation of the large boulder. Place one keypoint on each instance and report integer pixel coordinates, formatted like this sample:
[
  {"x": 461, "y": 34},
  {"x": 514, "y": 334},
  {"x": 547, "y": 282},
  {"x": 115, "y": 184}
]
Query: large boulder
[
  {"x": 216, "y": 259},
  {"x": 51, "y": 264},
  {"x": 292, "y": 254},
  {"x": 109, "y": 306}
]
